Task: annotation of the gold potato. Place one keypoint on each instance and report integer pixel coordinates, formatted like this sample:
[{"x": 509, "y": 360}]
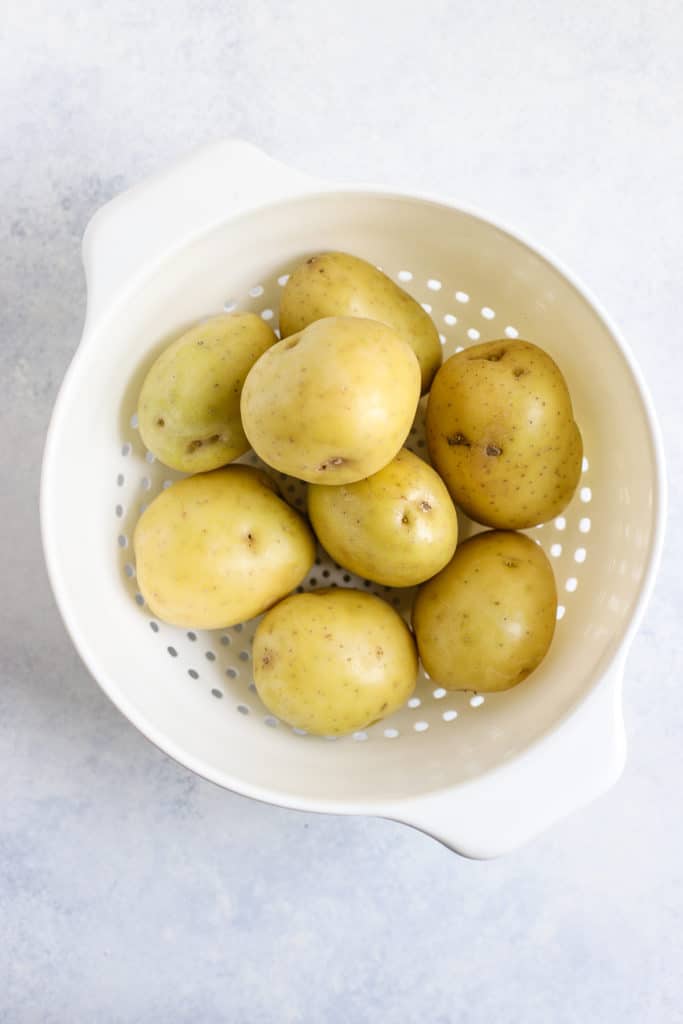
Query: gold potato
[
  {"x": 487, "y": 620},
  {"x": 334, "y": 403},
  {"x": 501, "y": 433},
  {"x": 218, "y": 548},
  {"x": 333, "y": 661},
  {"x": 398, "y": 527},
  {"x": 337, "y": 284},
  {"x": 189, "y": 407}
]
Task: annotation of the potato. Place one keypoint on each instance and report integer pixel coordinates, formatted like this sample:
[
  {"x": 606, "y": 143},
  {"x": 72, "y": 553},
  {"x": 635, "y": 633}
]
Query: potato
[
  {"x": 501, "y": 433},
  {"x": 336, "y": 284},
  {"x": 334, "y": 403},
  {"x": 398, "y": 527},
  {"x": 189, "y": 407},
  {"x": 487, "y": 620},
  {"x": 218, "y": 548},
  {"x": 333, "y": 661}
]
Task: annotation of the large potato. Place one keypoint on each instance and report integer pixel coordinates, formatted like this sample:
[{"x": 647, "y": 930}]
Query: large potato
[
  {"x": 189, "y": 407},
  {"x": 487, "y": 620},
  {"x": 336, "y": 284},
  {"x": 334, "y": 403},
  {"x": 501, "y": 433},
  {"x": 333, "y": 661},
  {"x": 218, "y": 548},
  {"x": 397, "y": 527}
]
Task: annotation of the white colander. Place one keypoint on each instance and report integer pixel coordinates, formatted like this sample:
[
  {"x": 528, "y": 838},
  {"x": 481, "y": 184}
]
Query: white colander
[{"x": 221, "y": 231}]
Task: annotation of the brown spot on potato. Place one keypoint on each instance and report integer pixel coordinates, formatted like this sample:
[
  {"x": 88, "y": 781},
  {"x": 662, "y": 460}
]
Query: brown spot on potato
[
  {"x": 161, "y": 422},
  {"x": 425, "y": 506},
  {"x": 291, "y": 344},
  {"x": 193, "y": 445},
  {"x": 493, "y": 449},
  {"x": 519, "y": 371},
  {"x": 379, "y": 651},
  {"x": 492, "y": 357},
  {"x": 457, "y": 439},
  {"x": 336, "y": 460}
]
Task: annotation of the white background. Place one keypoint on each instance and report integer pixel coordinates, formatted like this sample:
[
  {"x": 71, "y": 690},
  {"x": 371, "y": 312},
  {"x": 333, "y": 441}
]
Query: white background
[{"x": 130, "y": 890}]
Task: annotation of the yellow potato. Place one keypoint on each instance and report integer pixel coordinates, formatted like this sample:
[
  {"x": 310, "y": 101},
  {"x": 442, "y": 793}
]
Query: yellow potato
[
  {"x": 218, "y": 548},
  {"x": 398, "y": 527},
  {"x": 333, "y": 661},
  {"x": 189, "y": 407},
  {"x": 486, "y": 622},
  {"x": 501, "y": 433},
  {"x": 336, "y": 284},
  {"x": 334, "y": 403}
]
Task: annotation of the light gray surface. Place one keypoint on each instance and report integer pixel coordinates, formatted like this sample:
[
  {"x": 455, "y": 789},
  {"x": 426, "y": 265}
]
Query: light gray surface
[{"x": 130, "y": 890}]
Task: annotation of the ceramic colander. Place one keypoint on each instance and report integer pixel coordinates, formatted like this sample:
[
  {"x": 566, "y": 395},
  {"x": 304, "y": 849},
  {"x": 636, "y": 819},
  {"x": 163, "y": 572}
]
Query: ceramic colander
[{"x": 221, "y": 231}]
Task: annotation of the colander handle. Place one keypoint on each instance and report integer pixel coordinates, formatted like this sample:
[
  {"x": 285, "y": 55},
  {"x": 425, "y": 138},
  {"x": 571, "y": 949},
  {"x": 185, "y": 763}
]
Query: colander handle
[
  {"x": 151, "y": 220},
  {"x": 507, "y": 807}
]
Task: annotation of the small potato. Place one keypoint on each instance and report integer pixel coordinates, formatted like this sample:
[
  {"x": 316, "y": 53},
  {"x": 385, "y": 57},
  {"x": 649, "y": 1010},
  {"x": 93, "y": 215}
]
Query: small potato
[
  {"x": 218, "y": 548},
  {"x": 501, "y": 433},
  {"x": 189, "y": 407},
  {"x": 334, "y": 403},
  {"x": 333, "y": 661},
  {"x": 398, "y": 527},
  {"x": 337, "y": 284},
  {"x": 486, "y": 622}
]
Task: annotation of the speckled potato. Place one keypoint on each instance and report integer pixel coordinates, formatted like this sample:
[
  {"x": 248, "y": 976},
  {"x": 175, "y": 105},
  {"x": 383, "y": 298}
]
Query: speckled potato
[
  {"x": 334, "y": 403},
  {"x": 333, "y": 661},
  {"x": 487, "y": 620},
  {"x": 398, "y": 527},
  {"x": 501, "y": 433},
  {"x": 218, "y": 548},
  {"x": 337, "y": 284},
  {"x": 189, "y": 407}
]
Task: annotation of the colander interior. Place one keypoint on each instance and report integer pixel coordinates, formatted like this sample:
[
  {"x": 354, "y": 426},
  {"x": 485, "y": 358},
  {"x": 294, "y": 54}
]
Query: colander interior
[{"x": 192, "y": 692}]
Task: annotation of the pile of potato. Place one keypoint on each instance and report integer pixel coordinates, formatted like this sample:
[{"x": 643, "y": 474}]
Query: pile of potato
[{"x": 332, "y": 404}]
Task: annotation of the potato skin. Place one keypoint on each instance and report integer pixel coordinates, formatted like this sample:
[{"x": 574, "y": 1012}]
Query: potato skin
[
  {"x": 334, "y": 403},
  {"x": 501, "y": 433},
  {"x": 338, "y": 284},
  {"x": 487, "y": 620},
  {"x": 398, "y": 527},
  {"x": 189, "y": 406},
  {"x": 218, "y": 548},
  {"x": 333, "y": 661}
]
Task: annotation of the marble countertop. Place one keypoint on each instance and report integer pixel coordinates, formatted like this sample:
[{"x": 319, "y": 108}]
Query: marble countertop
[{"x": 130, "y": 890}]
